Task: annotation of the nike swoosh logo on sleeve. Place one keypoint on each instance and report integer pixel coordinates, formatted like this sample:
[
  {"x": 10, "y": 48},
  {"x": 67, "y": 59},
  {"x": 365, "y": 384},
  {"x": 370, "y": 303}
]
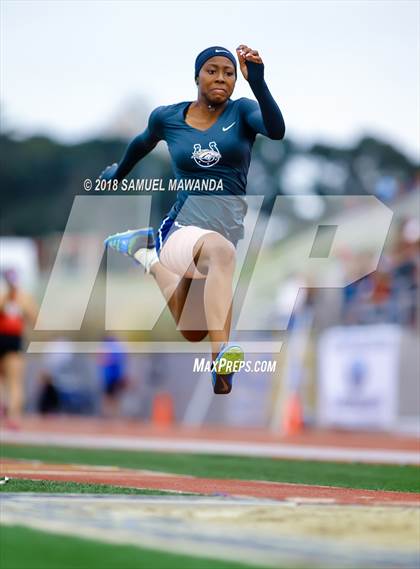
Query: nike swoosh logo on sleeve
[{"x": 228, "y": 127}]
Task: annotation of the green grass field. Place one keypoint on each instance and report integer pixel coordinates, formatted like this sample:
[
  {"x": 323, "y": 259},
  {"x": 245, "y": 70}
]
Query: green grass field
[
  {"x": 354, "y": 475},
  {"x": 49, "y": 551},
  {"x": 53, "y": 487}
]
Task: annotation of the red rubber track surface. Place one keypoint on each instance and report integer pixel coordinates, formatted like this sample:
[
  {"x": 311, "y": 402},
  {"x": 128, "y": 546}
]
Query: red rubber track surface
[{"x": 256, "y": 489}]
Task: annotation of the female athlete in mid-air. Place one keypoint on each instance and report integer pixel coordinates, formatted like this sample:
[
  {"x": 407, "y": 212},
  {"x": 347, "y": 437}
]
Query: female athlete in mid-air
[{"x": 193, "y": 257}]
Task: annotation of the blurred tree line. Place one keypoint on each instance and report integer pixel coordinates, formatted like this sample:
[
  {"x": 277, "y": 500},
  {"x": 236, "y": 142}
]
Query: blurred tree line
[{"x": 40, "y": 177}]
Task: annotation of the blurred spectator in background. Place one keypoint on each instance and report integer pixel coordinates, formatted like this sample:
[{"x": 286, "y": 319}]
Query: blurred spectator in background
[
  {"x": 49, "y": 397},
  {"x": 112, "y": 365},
  {"x": 388, "y": 294},
  {"x": 17, "y": 309},
  {"x": 64, "y": 380},
  {"x": 406, "y": 270}
]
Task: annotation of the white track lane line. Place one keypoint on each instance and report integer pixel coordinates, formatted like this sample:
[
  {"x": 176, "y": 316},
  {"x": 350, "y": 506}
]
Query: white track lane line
[{"x": 198, "y": 446}]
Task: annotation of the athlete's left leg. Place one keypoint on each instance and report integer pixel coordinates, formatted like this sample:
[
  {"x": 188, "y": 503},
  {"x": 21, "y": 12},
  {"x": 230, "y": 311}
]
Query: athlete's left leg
[
  {"x": 200, "y": 256},
  {"x": 215, "y": 257}
]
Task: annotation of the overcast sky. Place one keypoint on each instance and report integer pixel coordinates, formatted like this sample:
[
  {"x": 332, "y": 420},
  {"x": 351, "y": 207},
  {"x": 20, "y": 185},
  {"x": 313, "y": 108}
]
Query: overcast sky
[{"x": 338, "y": 69}]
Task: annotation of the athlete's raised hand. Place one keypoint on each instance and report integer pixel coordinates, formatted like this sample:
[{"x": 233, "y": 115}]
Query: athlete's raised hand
[
  {"x": 109, "y": 172},
  {"x": 245, "y": 54}
]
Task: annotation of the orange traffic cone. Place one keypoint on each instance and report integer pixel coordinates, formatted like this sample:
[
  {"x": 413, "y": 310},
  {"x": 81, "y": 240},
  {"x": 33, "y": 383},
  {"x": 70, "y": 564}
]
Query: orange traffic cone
[
  {"x": 293, "y": 416},
  {"x": 163, "y": 410}
]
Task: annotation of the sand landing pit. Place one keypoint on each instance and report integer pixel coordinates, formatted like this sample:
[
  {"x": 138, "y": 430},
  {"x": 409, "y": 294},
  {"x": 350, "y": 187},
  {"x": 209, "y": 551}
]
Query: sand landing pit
[
  {"x": 260, "y": 532},
  {"x": 384, "y": 527}
]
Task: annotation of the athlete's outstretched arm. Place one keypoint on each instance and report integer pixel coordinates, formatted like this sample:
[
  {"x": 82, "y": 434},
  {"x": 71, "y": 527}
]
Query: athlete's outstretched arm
[
  {"x": 264, "y": 118},
  {"x": 138, "y": 148}
]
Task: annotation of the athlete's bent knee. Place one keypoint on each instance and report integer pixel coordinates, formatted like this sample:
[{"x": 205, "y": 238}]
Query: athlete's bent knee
[
  {"x": 220, "y": 250},
  {"x": 194, "y": 335}
]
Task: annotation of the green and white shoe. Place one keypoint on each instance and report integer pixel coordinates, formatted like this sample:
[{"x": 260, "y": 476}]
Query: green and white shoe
[
  {"x": 227, "y": 362},
  {"x": 139, "y": 244}
]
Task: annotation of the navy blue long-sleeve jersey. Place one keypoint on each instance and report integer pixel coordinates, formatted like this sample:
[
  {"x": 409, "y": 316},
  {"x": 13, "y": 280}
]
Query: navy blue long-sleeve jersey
[{"x": 222, "y": 153}]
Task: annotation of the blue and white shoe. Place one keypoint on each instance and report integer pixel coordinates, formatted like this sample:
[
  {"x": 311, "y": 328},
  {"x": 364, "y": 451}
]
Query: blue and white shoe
[
  {"x": 139, "y": 244},
  {"x": 228, "y": 361}
]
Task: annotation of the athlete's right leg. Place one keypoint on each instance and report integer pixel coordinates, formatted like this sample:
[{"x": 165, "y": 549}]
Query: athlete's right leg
[
  {"x": 176, "y": 291},
  {"x": 139, "y": 244}
]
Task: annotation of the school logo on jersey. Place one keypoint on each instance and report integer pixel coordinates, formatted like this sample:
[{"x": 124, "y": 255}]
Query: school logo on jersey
[{"x": 206, "y": 157}]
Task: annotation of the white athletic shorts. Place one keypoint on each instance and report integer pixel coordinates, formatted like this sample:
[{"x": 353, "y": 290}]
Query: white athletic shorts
[{"x": 177, "y": 253}]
